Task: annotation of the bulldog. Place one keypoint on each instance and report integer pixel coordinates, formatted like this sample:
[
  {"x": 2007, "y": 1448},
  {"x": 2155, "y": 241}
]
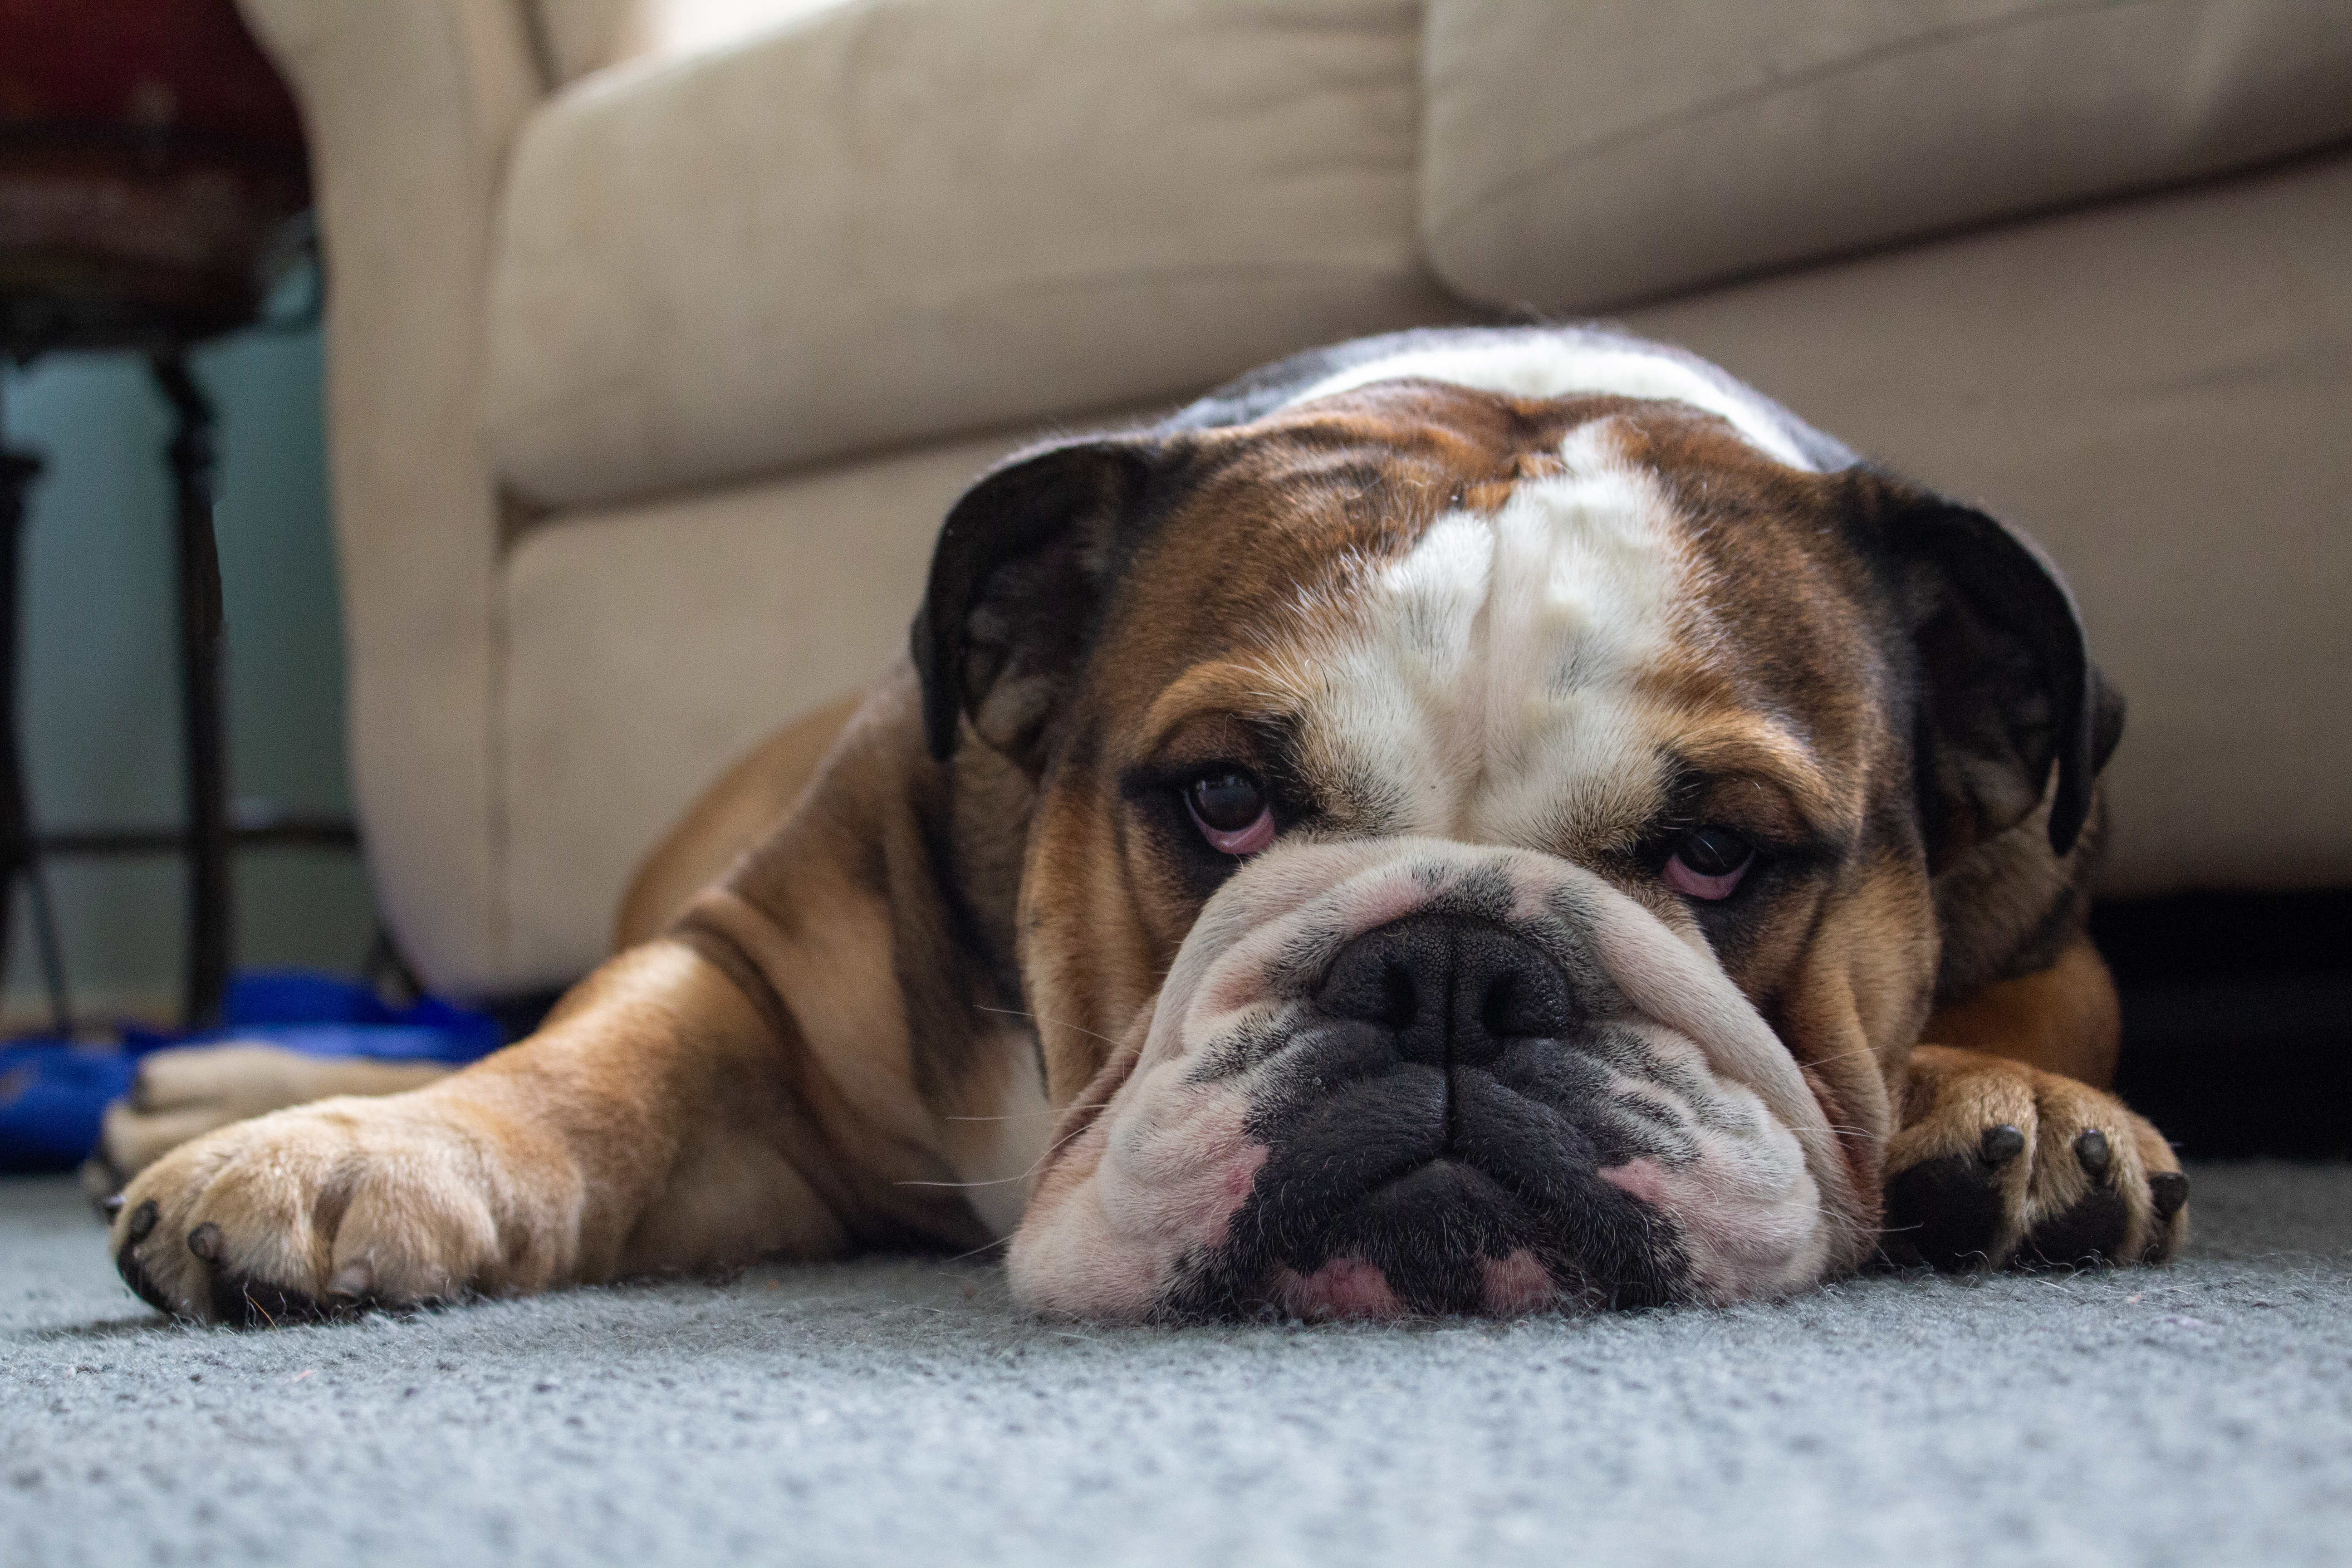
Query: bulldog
[{"x": 1471, "y": 821}]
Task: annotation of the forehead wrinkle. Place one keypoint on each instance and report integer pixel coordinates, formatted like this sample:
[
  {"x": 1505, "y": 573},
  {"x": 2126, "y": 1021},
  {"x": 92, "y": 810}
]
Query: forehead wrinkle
[
  {"x": 1232, "y": 686},
  {"x": 1738, "y": 742}
]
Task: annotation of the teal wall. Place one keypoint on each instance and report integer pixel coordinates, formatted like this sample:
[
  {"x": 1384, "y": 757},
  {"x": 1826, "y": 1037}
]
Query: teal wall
[{"x": 101, "y": 731}]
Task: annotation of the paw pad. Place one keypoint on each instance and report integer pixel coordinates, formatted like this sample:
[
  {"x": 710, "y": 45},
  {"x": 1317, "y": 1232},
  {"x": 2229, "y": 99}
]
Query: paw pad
[{"x": 1948, "y": 1212}]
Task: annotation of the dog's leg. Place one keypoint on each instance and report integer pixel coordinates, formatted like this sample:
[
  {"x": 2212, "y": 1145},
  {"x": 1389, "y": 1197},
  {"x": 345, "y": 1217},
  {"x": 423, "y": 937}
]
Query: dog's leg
[
  {"x": 747, "y": 1086},
  {"x": 2000, "y": 1163},
  {"x": 627, "y": 1136},
  {"x": 2065, "y": 1019},
  {"x": 739, "y": 808},
  {"x": 181, "y": 1095}
]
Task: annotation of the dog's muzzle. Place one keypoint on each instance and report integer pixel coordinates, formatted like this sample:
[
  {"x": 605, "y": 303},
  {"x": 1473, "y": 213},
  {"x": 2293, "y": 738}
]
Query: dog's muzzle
[{"x": 1413, "y": 1076}]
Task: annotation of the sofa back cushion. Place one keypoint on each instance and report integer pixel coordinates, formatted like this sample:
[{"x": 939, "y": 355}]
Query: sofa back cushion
[
  {"x": 575, "y": 37},
  {"x": 1581, "y": 156},
  {"x": 900, "y": 219}
]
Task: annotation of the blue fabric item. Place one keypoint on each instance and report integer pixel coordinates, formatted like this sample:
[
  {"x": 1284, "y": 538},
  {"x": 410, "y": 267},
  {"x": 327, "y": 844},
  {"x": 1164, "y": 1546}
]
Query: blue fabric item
[
  {"x": 51, "y": 1096},
  {"x": 53, "y": 1092},
  {"x": 327, "y": 1016}
]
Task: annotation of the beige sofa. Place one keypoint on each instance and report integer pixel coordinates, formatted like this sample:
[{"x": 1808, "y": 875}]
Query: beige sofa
[{"x": 662, "y": 332}]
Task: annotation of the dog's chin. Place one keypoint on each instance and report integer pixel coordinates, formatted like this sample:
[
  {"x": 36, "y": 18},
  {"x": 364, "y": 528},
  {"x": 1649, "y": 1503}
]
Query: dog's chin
[
  {"x": 1445, "y": 1237},
  {"x": 1512, "y": 1286},
  {"x": 1408, "y": 1076}
]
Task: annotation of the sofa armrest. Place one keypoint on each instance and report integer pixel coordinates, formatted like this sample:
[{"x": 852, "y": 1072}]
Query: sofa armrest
[{"x": 410, "y": 107}]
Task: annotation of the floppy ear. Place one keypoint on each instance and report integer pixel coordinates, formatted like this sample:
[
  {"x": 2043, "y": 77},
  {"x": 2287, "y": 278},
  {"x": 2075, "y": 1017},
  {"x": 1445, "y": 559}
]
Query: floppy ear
[
  {"x": 1017, "y": 580},
  {"x": 2008, "y": 689}
]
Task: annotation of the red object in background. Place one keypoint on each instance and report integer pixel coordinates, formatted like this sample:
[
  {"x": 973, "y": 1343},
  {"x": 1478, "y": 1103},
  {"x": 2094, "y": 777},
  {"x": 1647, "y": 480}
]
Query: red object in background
[{"x": 150, "y": 159}]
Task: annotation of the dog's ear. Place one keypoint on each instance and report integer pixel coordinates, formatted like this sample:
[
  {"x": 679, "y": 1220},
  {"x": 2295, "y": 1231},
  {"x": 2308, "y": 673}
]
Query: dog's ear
[
  {"x": 2008, "y": 689},
  {"x": 1017, "y": 581}
]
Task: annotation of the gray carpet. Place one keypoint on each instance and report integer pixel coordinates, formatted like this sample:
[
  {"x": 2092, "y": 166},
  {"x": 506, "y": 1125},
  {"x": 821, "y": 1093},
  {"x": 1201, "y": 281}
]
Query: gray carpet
[{"x": 897, "y": 1412}]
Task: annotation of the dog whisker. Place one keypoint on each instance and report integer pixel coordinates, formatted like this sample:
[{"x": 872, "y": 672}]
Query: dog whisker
[
  {"x": 1009, "y": 1116},
  {"x": 1050, "y": 1023},
  {"x": 994, "y": 1182}
]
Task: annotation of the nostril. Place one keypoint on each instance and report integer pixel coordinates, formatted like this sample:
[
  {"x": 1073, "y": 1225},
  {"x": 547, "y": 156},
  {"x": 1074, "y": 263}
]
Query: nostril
[
  {"x": 1400, "y": 998},
  {"x": 1525, "y": 1005},
  {"x": 1448, "y": 988},
  {"x": 1507, "y": 991},
  {"x": 1389, "y": 977},
  {"x": 1504, "y": 1011}
]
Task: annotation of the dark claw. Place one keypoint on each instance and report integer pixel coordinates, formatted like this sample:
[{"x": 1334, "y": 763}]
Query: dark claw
[
  {"x": 2003, "y": 1143},
  {"x": 204, "y": 1241},
  {"x": 134, "y": 1274},
  {"x": 111, "y": 1206},
  {"x": 142, "y": 1222},
  {"x": 2093, "y": 1151},
  {"x": 2169, "y": 1191}
]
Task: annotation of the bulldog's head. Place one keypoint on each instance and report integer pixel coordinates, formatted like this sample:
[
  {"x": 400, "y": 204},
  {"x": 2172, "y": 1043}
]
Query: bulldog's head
[{"x": 1491, "y": 807}]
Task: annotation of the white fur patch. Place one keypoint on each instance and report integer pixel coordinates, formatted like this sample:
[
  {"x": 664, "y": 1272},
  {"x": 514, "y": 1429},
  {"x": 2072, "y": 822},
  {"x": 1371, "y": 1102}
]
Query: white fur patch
[
  {"x": 1540, "y": 366},
  {"x": 1488, "y": 689}
]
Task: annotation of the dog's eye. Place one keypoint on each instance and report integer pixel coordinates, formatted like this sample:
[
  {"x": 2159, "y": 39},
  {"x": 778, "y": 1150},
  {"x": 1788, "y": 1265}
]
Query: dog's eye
[
  {"x": 1709, "y": 863},
  {"x": 1230, "y": 809}
]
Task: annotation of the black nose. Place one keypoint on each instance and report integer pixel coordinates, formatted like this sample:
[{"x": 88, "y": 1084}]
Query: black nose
[{"x": 1453, "y": 991}]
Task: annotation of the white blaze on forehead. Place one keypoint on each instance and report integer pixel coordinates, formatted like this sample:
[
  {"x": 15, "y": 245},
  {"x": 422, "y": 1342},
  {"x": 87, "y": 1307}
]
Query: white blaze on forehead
[
  {"x": 1488, "y": 691},
  {"x": 1545, "y": 367}
]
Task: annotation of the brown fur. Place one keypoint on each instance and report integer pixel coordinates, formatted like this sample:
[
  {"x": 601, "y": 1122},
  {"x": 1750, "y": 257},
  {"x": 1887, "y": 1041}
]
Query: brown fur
[
  {"x": 2064, "y": 1019},
  {"x": 756, "y": 792}
]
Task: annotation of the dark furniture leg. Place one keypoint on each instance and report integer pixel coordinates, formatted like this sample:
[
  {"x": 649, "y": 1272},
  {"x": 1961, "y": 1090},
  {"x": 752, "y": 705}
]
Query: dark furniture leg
[
  {"x": 19, "y": 856},
  {"x": 209, "y": 913}
]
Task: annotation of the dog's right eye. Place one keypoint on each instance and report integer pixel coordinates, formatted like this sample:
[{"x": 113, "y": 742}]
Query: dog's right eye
[
  {"x": 1709, "y": 863},
  {"x": 1230, "y": 809}
]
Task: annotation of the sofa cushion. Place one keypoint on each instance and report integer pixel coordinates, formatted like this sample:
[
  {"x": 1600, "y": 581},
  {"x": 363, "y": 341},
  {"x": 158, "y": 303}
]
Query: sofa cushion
[
  {"x": 575, "y": 37},
  {"x": 905, "y": 218},
  {"x": 648, "y": 646},
  {"x": 2158, "y": 391},
  {"x": 1581, "y": 156}
]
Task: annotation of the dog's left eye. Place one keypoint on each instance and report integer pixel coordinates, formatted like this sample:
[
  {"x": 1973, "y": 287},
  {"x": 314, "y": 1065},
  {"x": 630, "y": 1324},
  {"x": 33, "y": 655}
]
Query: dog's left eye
[
  {"x": 1230, "y": 809},
  {"x": 1709, "y": 863}
]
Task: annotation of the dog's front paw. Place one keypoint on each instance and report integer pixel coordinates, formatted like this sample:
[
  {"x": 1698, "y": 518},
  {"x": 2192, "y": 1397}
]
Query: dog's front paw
[
  {"x": 332, "y": 1207},
  {"x": 2000, "y": 1165}
]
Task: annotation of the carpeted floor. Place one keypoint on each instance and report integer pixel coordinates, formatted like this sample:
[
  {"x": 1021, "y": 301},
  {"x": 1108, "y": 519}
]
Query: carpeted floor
[{"x": 897, "y": 1412}]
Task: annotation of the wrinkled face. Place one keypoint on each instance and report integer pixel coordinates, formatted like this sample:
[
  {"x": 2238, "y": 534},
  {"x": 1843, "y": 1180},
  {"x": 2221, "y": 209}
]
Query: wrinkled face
[{"x": 1478, "y": 869}]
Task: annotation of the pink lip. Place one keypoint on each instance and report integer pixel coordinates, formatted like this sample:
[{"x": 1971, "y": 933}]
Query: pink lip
[
  {"x": 1244, "y": 841},
  {"x": 1684, "y": 880}
]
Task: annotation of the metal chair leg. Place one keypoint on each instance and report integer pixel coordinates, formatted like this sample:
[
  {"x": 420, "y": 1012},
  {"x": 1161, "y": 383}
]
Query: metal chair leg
[
  {"x": 19, "y": 853},
  {"x": 201, "y": 625}
]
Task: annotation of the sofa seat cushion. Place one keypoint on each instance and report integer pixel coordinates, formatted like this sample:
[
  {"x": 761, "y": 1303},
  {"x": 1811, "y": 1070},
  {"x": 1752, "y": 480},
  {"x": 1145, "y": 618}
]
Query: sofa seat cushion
[
  {"x": 1582, "y": 156},
  {"x": 906, "y": 218},
  {"x": 648, "y": 646}
]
